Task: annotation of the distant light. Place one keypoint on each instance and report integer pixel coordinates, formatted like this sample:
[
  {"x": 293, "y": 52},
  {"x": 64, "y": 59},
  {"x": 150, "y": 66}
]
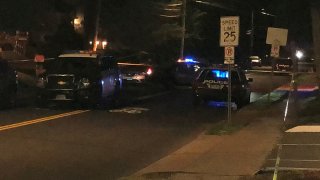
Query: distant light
[
  {"x": 77, "y": 21},
  {"x": 149, "y": 72},
  {"x": 90, "y": 42},
  {"x": 102, "y": 82},
  {"x": 97, "y": 42},
  {"x": 299, "y": 54},
  {"x": 187, "y": 60},
  {"x": 104, "y": 44}
]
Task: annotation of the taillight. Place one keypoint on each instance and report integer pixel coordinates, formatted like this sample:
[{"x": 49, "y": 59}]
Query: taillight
[{"x": 149, "y": 71}]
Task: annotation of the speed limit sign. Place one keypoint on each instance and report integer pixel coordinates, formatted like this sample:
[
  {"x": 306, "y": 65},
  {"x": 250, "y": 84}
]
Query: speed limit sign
[{"x": 229, "y": 31}]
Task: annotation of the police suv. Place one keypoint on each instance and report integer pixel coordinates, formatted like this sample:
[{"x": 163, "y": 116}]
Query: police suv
[
  {"x": 211, "y": 84},
  {"x": 88, "y": 78}
]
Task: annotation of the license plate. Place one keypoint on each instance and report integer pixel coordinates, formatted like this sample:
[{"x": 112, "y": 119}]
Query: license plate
[
  {"x": 61, "y": 97},
  {"x": 214, "y": 86}
]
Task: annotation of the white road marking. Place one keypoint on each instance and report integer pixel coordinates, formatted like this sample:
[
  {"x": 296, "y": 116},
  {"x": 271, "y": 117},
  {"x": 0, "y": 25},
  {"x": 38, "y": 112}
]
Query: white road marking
[
  {"x": 300, "y": 144},
  {"x": 291, "y": 169},
  {"x": 276, "y": 167},
  {"x": 296, "y": 160},
  {"x": 130, "y": 110},
  {"x": 301, "y": 129}
]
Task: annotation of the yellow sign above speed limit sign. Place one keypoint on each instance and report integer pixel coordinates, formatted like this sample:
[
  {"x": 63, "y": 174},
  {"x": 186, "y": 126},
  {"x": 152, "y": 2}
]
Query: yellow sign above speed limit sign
[{"x": 229, "y": 31}]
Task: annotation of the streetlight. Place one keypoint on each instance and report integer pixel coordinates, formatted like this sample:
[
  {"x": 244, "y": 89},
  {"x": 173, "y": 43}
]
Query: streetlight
[
  {"x": 267, "y": 14},
  {"x": 299, "y": 54}
]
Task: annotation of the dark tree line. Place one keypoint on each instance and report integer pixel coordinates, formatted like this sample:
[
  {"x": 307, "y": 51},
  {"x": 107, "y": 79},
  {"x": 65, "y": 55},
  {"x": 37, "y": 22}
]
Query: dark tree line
[{"x": 136, "y": 25}]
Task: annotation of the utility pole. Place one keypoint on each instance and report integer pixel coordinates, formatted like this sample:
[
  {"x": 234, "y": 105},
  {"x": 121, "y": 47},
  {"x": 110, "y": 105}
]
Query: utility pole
[
  {"x": 97, "y": 20},
  {"x": 252, "y": 33},
  {"x": 183, "y": 33},
  {"x": 91, "y": 25},
  {"x": 315, "y": 13}
]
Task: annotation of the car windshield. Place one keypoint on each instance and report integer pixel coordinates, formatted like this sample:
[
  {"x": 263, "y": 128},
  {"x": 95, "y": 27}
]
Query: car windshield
[
  {"x": 133, "y": 68},
  {"x": 70, "y": 65},
  {"x": 188, "y": 67}
]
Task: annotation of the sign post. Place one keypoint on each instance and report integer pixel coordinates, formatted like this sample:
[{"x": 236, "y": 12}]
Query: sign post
[
  {"x": 276, "y": 37},
  {"x": 229, "y": 38}
]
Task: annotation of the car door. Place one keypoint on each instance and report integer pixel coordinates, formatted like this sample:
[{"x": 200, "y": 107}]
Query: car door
[{"x": 109, "y": 75}]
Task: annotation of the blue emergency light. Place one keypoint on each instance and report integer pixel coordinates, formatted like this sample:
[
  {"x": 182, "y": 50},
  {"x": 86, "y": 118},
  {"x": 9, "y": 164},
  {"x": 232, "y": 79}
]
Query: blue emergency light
[
  {"x": 220, "y": 74},
  {"x": 190, "y": 60}
]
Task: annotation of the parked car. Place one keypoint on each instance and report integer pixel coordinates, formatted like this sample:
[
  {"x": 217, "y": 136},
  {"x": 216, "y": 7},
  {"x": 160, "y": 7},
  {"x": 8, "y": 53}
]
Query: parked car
[
  {"x": 255, "y": 61},
  {"x": 86, "y": 78},
  {"x": 212, "y": 85},
  {"x": 283, "y": 64},
  {"x": 8, "y": 85},
  {"x": 135, "y": 73}
]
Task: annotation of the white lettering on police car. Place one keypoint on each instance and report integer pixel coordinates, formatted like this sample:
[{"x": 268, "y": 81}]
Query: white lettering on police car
[{"x": 214, "y": 82}]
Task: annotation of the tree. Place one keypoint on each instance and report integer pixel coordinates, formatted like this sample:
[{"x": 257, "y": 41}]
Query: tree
[{"x": 169, "y": 34}]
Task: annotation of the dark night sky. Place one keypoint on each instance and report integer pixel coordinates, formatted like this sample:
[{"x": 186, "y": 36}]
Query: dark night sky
[{"x": 128, "y": 20}]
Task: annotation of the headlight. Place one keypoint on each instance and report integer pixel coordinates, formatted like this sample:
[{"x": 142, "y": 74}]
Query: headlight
[
  {"x": 83, "y": 83},
  {"x": 41, "y": 82}
]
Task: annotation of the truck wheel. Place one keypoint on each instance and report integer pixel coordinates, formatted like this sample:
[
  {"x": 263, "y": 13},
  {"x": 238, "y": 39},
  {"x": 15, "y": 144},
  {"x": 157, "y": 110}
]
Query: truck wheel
[{"x": 196, "y": 100}]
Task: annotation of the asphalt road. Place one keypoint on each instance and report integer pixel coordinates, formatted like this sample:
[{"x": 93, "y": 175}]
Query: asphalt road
[{"x": 66, "y": 143}]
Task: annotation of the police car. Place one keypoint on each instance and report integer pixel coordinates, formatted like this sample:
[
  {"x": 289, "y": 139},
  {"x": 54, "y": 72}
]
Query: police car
[
  {"x": 87, "y": 78},
  {"x": 185, "y": 71},
  {"x": 212, "y": 85}
]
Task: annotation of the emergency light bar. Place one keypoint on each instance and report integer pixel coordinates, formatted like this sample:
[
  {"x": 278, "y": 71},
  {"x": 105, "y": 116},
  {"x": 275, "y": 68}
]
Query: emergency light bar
[{"x": 220, "y": 74}]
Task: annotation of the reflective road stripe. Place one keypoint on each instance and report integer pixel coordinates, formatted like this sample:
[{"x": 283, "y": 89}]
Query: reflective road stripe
[{"x": 39, "y": 120}]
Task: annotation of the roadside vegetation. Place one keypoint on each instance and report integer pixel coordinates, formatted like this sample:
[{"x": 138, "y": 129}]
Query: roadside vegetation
[{"x": 310, "y": 112}]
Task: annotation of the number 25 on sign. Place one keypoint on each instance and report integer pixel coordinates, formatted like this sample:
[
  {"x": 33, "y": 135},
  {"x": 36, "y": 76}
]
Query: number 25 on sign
[{"x": 229, "y": 31}]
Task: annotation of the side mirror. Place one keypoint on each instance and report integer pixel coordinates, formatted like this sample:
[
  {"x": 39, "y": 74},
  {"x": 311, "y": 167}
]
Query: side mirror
[{"x": 250, "y": 80}]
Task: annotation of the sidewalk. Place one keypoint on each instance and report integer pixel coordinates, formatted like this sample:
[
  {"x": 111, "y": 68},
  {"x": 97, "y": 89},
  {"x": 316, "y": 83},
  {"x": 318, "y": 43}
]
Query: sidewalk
[{"x": 227, "y": 157}]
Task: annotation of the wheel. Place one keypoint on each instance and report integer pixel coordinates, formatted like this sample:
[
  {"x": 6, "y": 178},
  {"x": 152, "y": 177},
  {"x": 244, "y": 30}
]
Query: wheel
[
  {"x": 196, "y": 100},
  {"x": 115, "y": 101},
  {"x": 242, "y": 102},
  {"x": 239, "y": 102},
  {"x": 247, "y": 101},
  {"x": 12, "y": 100},
  {"x": 9, "y": 99},
  {"x": 41, "y": 102}
]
